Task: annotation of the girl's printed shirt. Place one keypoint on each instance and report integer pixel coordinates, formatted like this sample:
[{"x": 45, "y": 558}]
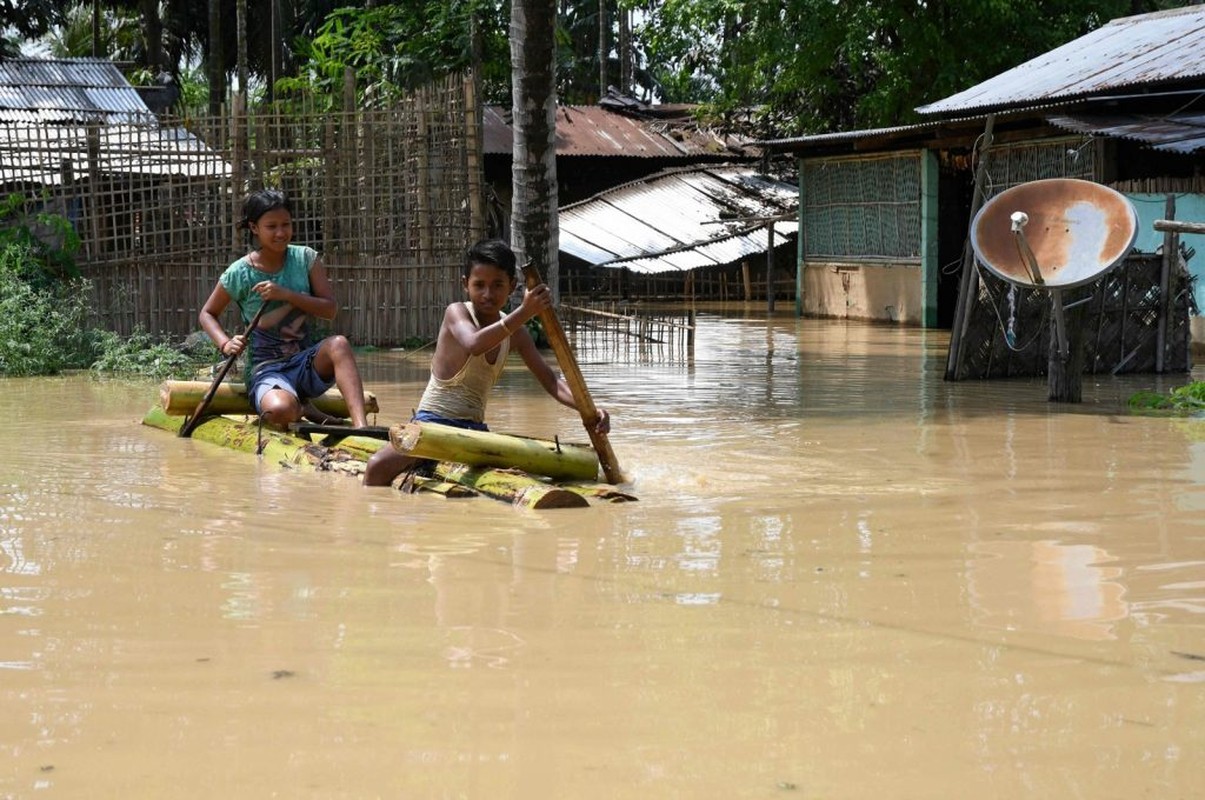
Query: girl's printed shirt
[{"x": 284, "y": 329}]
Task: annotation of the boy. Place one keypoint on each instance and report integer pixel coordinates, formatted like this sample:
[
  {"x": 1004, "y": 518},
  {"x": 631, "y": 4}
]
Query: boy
[{"x": 474, "y": 340}]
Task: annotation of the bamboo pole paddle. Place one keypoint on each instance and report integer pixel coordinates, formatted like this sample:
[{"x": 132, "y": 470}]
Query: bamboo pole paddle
[
  {"x": 577, "y": 384},
  {"x": 192, "y": 421}
]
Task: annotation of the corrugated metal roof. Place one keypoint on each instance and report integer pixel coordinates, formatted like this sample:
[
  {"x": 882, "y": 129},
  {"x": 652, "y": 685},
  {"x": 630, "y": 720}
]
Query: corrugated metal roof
[
  {"x": 1177, "y": 133},
  {"x": 679, "y": 219},
  {"x": 594, "y": 131},
  {"x": 67, "y": 90},
  {"x": 1147, "y": 49},
  {"x": 39, "y": 153}
]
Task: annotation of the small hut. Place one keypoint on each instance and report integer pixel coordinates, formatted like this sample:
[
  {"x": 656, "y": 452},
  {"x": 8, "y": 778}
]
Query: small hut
[{"x": 884, "y": 213}]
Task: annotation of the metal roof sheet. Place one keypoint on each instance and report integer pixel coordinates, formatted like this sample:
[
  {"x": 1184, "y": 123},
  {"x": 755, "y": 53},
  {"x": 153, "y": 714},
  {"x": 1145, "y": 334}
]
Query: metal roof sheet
[
  {"x": 67, "y": 90},
  {"x": 594, "y": 131},
  {"x": 1161, "y": 47},
  {"x": 679, "y": 219},
  {"x": 37, "y": 153},
  {"x": 1176, "y": 133}
]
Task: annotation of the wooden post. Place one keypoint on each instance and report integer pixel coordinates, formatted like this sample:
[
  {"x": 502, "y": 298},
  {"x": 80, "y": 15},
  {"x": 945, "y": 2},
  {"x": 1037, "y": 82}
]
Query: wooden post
[
  {"x": 577, "y": 384},
  {"x": 1065, "y": 372},
  {"x": 800, "y": 247},
  {"x": 474, "y": 152},
  {"x": 747, "y": 280},
  {"x": 770, "y": 267},
  {"x": 969, "y": 283},
  {"x": 1171, "y": 243}
]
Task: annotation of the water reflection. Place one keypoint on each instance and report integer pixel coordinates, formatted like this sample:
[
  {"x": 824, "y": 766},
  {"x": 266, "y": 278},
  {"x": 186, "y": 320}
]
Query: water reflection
[{"x": 1046, "y": 587}]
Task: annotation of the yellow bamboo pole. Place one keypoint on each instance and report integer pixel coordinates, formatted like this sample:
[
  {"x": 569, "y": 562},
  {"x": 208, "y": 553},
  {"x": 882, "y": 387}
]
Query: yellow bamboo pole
[
  {"x": 180, "y": 397},
  {"x": 517, "y": 488},
  {"x": 485, "y": 449},
  {"x": 577, "y": 384}
]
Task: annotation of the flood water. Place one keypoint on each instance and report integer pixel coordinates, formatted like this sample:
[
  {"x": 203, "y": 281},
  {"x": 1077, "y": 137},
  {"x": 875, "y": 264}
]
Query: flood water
[{"x": 844, "y": 578}]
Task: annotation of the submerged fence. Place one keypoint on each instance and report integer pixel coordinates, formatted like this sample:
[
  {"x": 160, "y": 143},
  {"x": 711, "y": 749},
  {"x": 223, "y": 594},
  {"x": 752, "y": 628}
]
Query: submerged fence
[
  {"x": 623, "y": 334},
  {"x": 388, "y": 196}
]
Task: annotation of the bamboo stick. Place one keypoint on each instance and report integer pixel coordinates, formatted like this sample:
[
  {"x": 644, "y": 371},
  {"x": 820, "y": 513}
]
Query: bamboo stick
[
  {"x": 485, "y": 449},
  {"x": 521, "y": 490},
  {"x": 181, "y": 397}
]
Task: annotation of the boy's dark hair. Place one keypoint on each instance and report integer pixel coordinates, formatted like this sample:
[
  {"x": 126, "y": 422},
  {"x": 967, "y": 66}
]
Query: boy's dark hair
[
  {"x": 491, "y": 251},
  {"x": 261, "y": 202}
]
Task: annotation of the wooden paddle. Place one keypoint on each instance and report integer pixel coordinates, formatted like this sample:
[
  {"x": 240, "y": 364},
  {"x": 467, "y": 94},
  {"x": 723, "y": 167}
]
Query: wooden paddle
[
  {"x": 191, "y": 422},
  {"x": 577, "y": 384}
]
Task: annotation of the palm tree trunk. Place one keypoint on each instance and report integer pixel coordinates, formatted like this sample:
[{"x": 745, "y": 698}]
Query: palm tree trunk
[
  {"x": 215, "y": 67},
  {"x": 534, "y": 232}
]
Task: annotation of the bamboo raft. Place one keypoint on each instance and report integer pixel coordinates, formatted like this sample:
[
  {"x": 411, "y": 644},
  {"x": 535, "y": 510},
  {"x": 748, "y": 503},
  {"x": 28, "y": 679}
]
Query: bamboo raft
[{"x": 463, "y": 463}]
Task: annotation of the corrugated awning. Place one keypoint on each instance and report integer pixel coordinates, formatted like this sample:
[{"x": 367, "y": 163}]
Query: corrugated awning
[
  {"x": 1176, "y": 133},
  {"x": 680, "y": 220}
]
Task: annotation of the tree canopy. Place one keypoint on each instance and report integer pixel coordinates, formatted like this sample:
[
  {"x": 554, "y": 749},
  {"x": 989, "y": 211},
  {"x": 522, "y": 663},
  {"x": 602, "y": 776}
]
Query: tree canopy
[{"x": 780, "y": 66}]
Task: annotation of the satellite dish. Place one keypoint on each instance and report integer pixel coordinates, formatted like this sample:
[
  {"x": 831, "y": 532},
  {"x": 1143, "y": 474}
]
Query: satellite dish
[{"x": 1055, "y": 233}]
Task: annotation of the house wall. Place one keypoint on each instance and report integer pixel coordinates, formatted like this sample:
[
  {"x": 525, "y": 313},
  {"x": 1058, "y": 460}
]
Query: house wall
[
  {"x": 1190, "y": 207},
  {"x": 876, "y": 218},
  {"x": 890, "y": 292}
]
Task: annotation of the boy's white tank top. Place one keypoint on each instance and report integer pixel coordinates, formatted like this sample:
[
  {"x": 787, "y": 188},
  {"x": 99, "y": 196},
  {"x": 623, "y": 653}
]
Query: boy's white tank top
[{"x": 464, "y": 395}]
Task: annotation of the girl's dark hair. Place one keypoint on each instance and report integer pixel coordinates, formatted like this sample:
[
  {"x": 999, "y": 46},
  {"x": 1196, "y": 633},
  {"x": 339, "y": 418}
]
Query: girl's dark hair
[
  {"x": 491, "y": 251},
  {"x": 261, "y": 202}
]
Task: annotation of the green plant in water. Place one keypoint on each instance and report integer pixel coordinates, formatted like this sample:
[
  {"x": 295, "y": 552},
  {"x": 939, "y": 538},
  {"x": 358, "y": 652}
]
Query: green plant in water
[
  {"x": 1187, "y": 398},
  {"x": 146, "y": 356},
  {"x": 42, "y": 320}
]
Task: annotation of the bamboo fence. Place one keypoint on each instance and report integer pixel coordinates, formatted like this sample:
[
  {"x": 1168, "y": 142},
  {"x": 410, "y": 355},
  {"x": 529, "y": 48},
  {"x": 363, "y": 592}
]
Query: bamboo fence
[{"x": 390, "y": 197}]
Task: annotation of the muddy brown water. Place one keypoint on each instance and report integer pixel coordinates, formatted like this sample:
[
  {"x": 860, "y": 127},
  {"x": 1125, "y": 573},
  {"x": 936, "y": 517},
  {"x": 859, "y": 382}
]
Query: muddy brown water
[{"x": 844, "y": 578}]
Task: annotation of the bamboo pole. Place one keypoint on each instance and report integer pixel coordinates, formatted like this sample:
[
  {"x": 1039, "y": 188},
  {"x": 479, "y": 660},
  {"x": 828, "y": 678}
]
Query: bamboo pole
[
  {"x": 178, "y": 398},
  {"x": 486, "y": 449},
  {"x": 577, "y": 384},
  {"x": 521, "y": 490},
  {"x": 968, "y": 289}
]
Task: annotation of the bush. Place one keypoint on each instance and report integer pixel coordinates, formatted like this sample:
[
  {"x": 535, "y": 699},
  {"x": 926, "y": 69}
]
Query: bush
[
  {"x": 143, "y": 355},
  {"x": 1190, "y": 397},
  {"x": 42, "y": 328}
]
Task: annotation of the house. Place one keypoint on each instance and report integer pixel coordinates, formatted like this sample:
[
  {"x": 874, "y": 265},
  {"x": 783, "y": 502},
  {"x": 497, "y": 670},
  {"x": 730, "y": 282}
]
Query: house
[
  {"x": 661, "y": 229},
  {"x": 78, "y": 139},
  {"x": 884, "y": 213},
  {"x": 600, "y": 147}
]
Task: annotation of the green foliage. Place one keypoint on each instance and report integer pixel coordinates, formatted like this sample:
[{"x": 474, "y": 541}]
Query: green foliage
[
  {"x": 47, "y": 241},
  {"x": 397, "y": 47},
  {"x": 42, "y": 321},
  {"x": 814, "y": 65},
  {"x": 1188, "y": 398},
  {"x": 143, "y": 355}
]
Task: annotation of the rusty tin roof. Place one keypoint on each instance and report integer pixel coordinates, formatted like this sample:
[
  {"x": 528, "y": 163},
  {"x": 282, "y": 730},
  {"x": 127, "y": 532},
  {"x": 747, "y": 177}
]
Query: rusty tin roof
[
  {"x": 594, "y": 131},
  {"x": 65, "y": 90},
  {"x": 680, "y": 219},
  {"x": 1162, "y": 47}
]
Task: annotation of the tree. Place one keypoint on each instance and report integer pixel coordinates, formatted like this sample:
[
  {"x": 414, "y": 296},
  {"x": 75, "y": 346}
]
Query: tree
[
  {"x": 815, "y": 65},
  {"x": 534, "y": 204},
  {"x": 30, "y": 19},
  {"x": 396, "y": 47}
]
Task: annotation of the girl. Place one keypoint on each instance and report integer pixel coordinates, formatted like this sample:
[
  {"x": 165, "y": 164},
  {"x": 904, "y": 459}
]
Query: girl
[
  {"x": 472, "y": 346},
  {"x": 284, "y": 370}
]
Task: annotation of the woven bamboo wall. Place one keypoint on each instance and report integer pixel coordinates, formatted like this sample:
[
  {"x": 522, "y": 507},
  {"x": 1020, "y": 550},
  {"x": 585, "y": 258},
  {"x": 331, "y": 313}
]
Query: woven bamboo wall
[
  {"x": 389, "y": 197},
  {"x": 862, "y": 206},
  {"x": 1009, "y": 333}
]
